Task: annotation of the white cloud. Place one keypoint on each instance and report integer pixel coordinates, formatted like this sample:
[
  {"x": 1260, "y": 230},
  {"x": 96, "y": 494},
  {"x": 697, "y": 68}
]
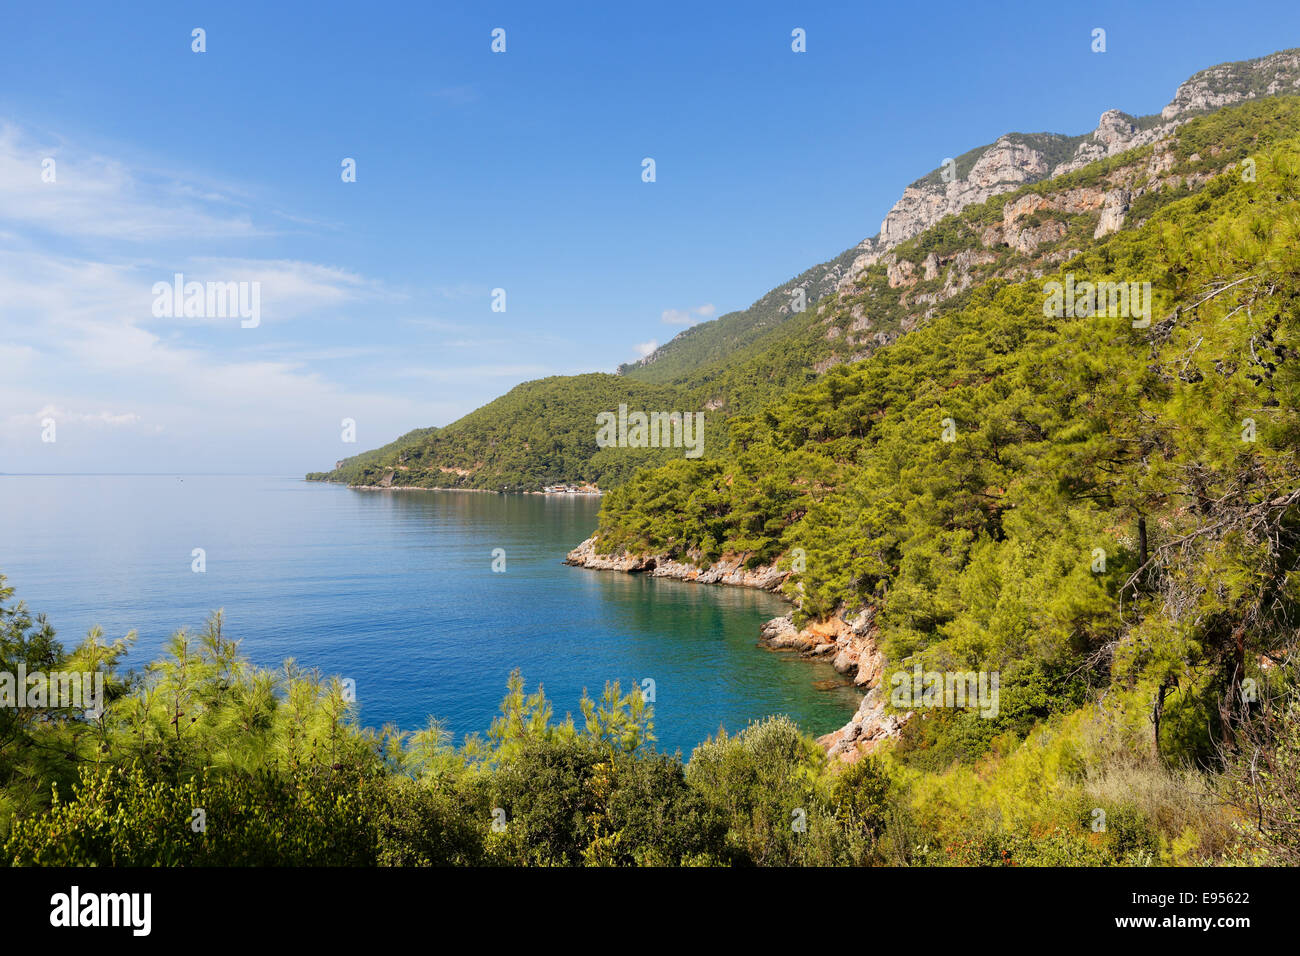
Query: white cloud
[
  {"x": 46, "y": 294},
  {"x": 645, "y": 348},
  {"x": 472, "y": 373},
  {"x": 79, "y": 342},
  {"x": 688, "y": 316},
  {"x": 93, "y": 197},
  {"x": 289, "y": 288},
  {"x": 61, "y": 415}
]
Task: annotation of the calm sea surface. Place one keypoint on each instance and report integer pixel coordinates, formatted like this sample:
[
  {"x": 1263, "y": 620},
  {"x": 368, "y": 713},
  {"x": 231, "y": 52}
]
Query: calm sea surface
[{"x": 396, "y": 591}]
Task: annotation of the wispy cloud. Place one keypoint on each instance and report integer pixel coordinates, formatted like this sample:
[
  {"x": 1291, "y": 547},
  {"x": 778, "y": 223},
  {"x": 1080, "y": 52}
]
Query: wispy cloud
[
  {"x": 47, "y": 288},
  {"x": 291, "y": 288},
  {"x": 472, "y": 373},
  {"x": 437, "y": 325},
  {"x": 66, "y": 192},
  {"x": 688, "y": 316},
  {"x": 62, "y": 415},
  {"x": 11, "y": 356},
  {"x": 79, "y": 343}
]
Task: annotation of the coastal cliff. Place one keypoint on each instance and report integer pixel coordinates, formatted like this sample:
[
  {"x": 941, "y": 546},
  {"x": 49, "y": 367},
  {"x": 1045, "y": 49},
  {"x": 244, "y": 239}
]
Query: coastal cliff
[{"x": 847, "y": 641}]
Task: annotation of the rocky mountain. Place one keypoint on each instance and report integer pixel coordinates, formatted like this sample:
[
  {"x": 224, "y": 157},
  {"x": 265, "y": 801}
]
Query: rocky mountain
[
  {"x": 1012, "y": 161},
  {"x": 1228, "y": 83},
  {"x": 926, "y": 255},
  {"x": 1017, "y": 159}
]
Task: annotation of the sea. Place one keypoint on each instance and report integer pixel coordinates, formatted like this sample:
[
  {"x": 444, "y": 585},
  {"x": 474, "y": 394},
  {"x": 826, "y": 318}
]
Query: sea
[{"x": 426, "y": 600}]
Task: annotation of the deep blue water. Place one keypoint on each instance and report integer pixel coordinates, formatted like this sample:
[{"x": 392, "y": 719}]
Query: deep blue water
[{"x": 396, "y": 591}]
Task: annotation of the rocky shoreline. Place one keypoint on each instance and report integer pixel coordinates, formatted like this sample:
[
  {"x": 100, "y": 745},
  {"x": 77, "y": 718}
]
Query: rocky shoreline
[
  {"x": 848, "y": 642},
  {"x": 481, "y": 491}
]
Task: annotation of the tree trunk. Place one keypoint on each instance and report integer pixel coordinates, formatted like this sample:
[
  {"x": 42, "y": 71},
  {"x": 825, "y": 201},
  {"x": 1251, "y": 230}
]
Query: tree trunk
[
  {"x": 1142, "y": 548},
  {"x": 1234, "y": 683},
  {"x": 1156, "y": 713}
]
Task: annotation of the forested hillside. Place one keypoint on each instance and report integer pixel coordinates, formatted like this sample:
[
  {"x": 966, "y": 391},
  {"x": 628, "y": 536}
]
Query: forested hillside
[
  {"x": 352, "y": 469},
  {"x": 539, "y": 433},
  {"x": 679, "y": 360},
  {"x": 543, "y": 432},
  {"x": 1105, "y": 512}
]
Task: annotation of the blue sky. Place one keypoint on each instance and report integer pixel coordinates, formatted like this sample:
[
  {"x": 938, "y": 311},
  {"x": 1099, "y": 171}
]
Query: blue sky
[{"x": 475, "y": 171}]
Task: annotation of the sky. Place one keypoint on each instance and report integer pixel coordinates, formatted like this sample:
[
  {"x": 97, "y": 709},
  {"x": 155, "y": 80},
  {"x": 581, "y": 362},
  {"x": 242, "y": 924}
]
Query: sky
[{"x": 127, "y": 157}]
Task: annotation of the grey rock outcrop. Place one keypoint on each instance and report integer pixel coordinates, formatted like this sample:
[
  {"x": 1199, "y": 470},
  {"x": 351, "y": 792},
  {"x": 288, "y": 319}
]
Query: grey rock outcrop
[
  {"x": 1015, "y": 159},
  {"x": 1004, "y": 166},
  {"x": 729, "y": 569},
  {"x": 1228, "y": 83}
]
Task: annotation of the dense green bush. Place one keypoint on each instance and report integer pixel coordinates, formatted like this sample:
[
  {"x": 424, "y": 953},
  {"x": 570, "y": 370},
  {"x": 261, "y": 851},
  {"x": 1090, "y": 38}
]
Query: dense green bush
[{"x": 129, "y": 816}]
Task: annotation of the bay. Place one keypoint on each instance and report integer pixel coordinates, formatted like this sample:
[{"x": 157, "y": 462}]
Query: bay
[{"x": 395, "y": 590}]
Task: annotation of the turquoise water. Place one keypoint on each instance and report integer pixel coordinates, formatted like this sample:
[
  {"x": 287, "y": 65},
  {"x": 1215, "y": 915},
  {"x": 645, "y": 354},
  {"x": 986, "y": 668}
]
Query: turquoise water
[{"x": 396, "y": 591}]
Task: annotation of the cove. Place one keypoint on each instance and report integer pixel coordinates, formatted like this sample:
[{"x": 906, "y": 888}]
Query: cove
[{"x": 396, "y": 590}]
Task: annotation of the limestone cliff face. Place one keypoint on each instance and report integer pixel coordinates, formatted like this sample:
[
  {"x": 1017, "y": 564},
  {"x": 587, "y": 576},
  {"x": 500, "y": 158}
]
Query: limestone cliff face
[
  {"x": 1004, "y": 166},
  {"x": 1015, "y": 159},
  {"x": 1273, "y": 75},
  {"x": 1116, "y": 132}
]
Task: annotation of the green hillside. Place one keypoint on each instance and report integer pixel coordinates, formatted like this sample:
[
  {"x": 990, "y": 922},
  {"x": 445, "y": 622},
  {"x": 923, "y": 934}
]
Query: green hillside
[
  {"x": 539, "y": 433},
  {"x": 708, "y": 343},
  {"x": 739, "y": 363},
  {"x": 1114, "y": 525},
  {"x": 351, "y": 469}
]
